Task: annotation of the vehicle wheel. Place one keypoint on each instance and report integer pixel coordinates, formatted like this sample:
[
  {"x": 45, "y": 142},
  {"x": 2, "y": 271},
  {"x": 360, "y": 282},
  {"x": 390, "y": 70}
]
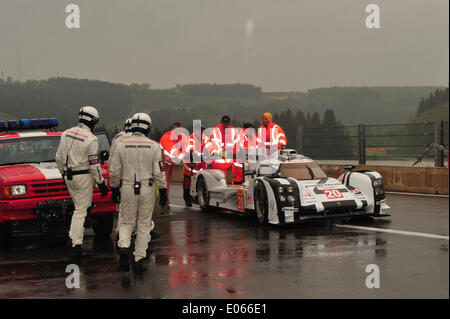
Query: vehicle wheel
[
  {"x": 6, "y": 230},
  {"x": 261, "y": 203},
  {"x": 203, "y": 194},
  {"x": 103, "y": 225}
]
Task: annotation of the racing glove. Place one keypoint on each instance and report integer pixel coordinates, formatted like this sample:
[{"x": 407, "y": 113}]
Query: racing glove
[
  {"x": 103, "y": 189},
  {"x": 163, "y": 199},
  {"x": 116, "y": 195}
]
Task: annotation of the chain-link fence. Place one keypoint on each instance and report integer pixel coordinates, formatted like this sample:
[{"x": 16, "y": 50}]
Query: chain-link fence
[{"x": 421, "y": 144}]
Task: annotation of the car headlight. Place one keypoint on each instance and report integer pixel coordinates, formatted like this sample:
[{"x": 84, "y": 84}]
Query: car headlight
[
  {"x": 291, "y": 199},
  {"x": 280, "y": 189},
  {"x": 282, "y": 198},
  {"x": 379, "y": 191},
  {"x": 290, "y": 189},
  {"x": 18, "y": 190},
  {"x": 377, "y": 182}
]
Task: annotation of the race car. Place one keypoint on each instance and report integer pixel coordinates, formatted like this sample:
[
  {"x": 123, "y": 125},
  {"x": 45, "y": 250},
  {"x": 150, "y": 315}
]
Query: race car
[
  {"x": 31, "y": 186},
  {"x": 290, "y": 188}
]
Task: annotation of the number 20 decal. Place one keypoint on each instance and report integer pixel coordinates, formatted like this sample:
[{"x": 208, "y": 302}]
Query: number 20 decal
[{"x": 333, "y": 193}]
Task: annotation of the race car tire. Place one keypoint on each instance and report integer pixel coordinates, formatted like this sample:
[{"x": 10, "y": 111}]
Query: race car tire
[
  {"x": 6, "y": 230},
  {"x": 103, "y": 225},
  {"x": 261, "y": 203},
  {"x": 203, "y": 194}
]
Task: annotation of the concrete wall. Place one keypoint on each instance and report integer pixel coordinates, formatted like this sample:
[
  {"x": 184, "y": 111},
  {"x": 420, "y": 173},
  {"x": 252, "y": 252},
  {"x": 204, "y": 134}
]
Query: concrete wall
[{"x": 427, "y": 180}]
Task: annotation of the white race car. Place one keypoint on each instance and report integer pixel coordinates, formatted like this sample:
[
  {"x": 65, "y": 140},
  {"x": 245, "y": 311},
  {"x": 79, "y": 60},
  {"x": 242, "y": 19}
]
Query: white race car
[{"x": 291, "y": 188}]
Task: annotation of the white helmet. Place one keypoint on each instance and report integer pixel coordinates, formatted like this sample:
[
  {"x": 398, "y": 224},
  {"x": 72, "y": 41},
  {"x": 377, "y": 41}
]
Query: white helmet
[
  {"x": 127, "y": 126},
  {"x": 88, "y": 115},
  {"x": 141, "y": 121}
]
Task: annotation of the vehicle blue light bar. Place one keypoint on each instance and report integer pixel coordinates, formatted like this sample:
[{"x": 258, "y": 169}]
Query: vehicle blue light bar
[
  {"x": 53, "y": 122},
  {"x": 34, "y": 123},
  {"x": 45, "y": 123},
  {"x": 12, "y": 125},
  {"x": 25, "y": 124}
]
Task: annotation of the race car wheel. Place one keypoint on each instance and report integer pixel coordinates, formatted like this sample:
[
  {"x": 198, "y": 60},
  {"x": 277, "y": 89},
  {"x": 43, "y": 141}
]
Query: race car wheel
[
  {"x": 6, "y": 230},
  {"x": 203, "y": 194},
  {"x": 261, "y": 203},
  {"x": 103, "y": 225}
]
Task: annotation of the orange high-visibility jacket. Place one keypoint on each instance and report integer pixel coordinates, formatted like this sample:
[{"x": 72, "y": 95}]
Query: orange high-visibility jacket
[
  {"x": 273, "y": 137},
  {"x": 173, "y": 145},
  {"x": 199, "y": 148},
  {"x": 221, "y": 141}
]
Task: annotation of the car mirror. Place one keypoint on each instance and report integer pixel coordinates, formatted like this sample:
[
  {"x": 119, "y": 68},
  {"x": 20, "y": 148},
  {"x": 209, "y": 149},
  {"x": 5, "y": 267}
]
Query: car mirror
[
  {"x": 349, "y": 167},
  {"x": 250, "y": 172}
]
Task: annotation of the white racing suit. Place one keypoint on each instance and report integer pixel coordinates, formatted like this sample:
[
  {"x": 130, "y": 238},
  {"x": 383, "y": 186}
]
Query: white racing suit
[
  {"x": 119, "y": 137},
  {"x": 77, "y": 151},
  {"x": 136, "y": 159}
]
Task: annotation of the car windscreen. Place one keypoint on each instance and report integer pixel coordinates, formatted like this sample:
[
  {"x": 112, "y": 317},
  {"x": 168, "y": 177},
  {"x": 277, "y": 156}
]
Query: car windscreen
[
  {"x": 302, "y": 171},
  {"x": 35, "y": 149}
]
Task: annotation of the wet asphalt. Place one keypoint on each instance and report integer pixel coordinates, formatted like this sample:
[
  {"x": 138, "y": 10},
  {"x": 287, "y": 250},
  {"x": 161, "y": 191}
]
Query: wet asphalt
[{"x": 222, "y": 255}]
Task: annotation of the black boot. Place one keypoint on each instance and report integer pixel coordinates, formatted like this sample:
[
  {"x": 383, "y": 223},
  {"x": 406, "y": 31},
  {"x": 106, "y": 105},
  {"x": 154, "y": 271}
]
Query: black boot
[
  {"x": 78, "y": 252},
  {"x": 187, "y": 198},
  {"x": 148, "y": 252},
  {"x": 140, "y": 266},
  {"x": 124, "y": 259},
  {"x": 154, "y": 235}
]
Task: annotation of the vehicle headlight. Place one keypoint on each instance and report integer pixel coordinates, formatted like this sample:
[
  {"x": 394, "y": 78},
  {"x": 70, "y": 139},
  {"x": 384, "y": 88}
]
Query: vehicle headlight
[
  {"x": 377, "y": 182},
  {"x": 280, "y": 189},
  {"x": 290, "y": 189},
  {"x": 282, "y": 198},
  {"x": 379, "y": 191},
  {"x": 18, "y": 190},
  {"x": 291, "y": 199}
]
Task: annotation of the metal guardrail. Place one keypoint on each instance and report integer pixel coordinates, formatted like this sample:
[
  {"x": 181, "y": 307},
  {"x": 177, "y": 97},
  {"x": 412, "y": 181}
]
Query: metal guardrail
[{"x": 418, "y": 144}]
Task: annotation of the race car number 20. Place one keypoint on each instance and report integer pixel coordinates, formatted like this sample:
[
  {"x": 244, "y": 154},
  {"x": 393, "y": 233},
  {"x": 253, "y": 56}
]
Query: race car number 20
[{"x": 333, "y": 193}]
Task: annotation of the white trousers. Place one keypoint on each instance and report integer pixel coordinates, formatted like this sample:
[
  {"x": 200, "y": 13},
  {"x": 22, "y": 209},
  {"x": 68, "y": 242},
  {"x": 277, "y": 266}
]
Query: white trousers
[
  {"x": 80, "y": 188},
  {"x": 136, "y": 212}
]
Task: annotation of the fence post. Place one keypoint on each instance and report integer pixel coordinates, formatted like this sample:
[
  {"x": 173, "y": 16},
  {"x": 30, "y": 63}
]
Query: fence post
[
  {"x": 299, "y": 140},
  {"x": 439, "y": 142},
  {"x": 362, "y": 144}
]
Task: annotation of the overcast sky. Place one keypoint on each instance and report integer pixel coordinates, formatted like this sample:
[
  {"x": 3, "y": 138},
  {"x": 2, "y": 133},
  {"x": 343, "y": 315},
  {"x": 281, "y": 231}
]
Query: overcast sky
[{"x": 278, "y": 45}]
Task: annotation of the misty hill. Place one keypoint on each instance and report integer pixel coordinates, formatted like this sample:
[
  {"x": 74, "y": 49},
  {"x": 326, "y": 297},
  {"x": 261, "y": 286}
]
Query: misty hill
[
  {"x": 433, "y": 108},
  {"x": 62, "y": 98},
  {"x": 370, "y": 105}
]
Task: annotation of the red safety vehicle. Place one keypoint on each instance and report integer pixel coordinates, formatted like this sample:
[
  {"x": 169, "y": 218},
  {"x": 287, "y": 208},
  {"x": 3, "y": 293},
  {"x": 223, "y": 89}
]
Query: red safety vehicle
[{"x": 31, "y": 186}]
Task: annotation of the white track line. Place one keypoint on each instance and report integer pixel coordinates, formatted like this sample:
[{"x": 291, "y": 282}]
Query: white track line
[
  {"x": 394, "y": 231},
  {"x": 417, "y": 194}
]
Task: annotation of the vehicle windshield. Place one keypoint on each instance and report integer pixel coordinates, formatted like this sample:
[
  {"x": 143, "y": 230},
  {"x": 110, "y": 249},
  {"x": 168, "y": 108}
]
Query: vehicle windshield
[
  {"x": 28, "y": 150},
  {"x": 302, "y": 171}
]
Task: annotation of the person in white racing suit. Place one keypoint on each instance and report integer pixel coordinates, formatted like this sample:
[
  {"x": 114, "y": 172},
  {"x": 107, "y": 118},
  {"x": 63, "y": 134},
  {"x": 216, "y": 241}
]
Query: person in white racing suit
[
  {"x": 135, "y": 168},
  {"x": 126, "y": 133},
  {"x": 78, "y": 162}
]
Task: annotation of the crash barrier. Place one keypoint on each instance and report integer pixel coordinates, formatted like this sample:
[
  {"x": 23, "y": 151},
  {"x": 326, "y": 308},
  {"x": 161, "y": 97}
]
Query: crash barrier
[
  {"x": 418, "y": 144},
  {"x": 426, "y": 180}
]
